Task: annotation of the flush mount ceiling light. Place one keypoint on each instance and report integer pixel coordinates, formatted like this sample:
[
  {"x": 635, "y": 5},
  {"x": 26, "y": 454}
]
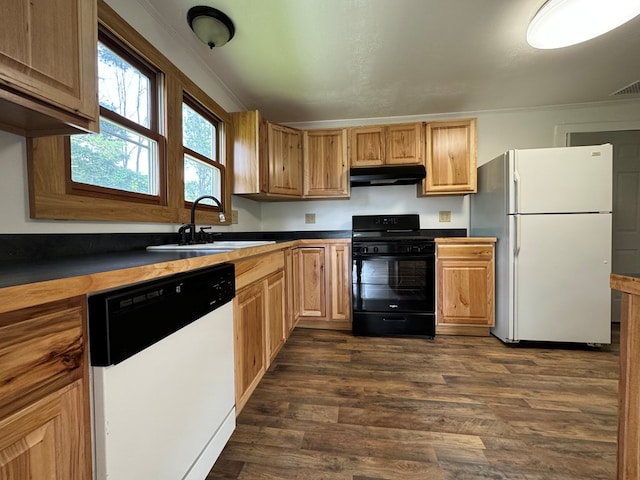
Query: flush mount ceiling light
[
  {"x": 210, "y": 25},
  {"x": 560, "y": 23}
]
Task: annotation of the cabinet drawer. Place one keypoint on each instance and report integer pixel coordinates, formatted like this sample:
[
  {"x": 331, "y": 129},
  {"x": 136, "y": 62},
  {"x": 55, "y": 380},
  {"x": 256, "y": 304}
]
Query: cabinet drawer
[
  {"x": 466, "y": 251},
  {"x": 253, "y": 269},
  {"x": 39, "y": 346}
]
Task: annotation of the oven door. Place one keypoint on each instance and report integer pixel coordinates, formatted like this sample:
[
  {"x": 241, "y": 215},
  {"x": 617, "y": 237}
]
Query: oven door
[{"x": 393, "y": 283}]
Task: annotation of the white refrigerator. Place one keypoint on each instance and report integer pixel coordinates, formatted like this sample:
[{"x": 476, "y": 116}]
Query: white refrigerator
[{"x": 551, "y": 212}]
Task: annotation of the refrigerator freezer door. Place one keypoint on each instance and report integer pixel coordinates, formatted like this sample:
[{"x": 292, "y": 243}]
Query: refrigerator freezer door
[
  {"x": 560, "y": 180},
  {"x": 562, "y": 278}
]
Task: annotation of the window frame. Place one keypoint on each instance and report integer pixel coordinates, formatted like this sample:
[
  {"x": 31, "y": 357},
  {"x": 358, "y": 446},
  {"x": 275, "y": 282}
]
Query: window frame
[
  {"x": 153, "y": 132},
  {"x": 196, "y": 106}
]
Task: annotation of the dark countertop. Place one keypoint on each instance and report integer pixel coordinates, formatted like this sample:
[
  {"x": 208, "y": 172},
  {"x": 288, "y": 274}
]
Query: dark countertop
[
  {"x": 21, "y": 273},
  {"x": 30, "y": 258},
  {"x": 34, "y": 258}
]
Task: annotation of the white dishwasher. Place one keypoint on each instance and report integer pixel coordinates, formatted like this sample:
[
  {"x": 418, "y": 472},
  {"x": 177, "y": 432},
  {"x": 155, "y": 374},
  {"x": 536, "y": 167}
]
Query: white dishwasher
[{"x": 163, "y": 376}]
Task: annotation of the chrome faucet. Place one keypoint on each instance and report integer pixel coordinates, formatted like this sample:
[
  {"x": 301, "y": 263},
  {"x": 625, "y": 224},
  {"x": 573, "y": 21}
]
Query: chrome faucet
[{"x": 190, "y": 228}]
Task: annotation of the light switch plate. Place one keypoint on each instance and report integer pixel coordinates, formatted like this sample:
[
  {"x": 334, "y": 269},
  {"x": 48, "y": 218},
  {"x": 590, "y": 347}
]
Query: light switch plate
[
  {"x": 309, "y": 218},
  {"x": 234, "y": 216},
  {"x": 444, "y": 215}
]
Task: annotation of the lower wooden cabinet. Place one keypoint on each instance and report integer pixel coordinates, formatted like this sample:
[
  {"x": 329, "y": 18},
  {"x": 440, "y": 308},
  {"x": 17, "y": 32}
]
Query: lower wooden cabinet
[
  {"x": 292, "y": 286},
  {"x": 250, "y": 340},
  {"x": 465, "y": 286},
  {"x": 325, "y": 285},
  {"x": 308, "y": 285},
  {"x": 44, "y": 401},
  {"x": 46, "y": 439},
  {"x": 259, "y": 320},
  {"x": 340, "y": 282},
  {"x": 313, "y": 282},
  {"x": 275, "y": 314}
]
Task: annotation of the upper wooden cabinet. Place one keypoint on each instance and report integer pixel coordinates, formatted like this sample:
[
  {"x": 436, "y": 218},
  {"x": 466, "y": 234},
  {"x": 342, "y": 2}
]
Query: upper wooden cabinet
[
  {"x": 250, "y": 153},
  {"x": 404, "y": 144},
  {"x": 267, "y": 158},
  {"x": 48, "y": 81},
  {"x": 326, "y": 166},
  {"x": 285, "y": 160},
  {"x": 399, "y": 144},
  {"x": 451, "y": 158},
  {"x": 366, "y": 146}
]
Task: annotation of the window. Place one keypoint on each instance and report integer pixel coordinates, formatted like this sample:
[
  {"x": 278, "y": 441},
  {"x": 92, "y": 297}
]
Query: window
[
  {"x": 135, "y": 170},
  {"x": 203, "y": 171},
  {"x": 126, "y": 155}
]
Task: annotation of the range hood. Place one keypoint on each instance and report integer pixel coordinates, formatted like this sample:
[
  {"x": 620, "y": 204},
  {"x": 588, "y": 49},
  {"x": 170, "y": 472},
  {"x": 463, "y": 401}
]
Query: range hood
[{"x": 388, "y": 175}]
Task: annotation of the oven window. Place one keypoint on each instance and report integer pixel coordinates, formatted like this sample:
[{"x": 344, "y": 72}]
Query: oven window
[{"x": 393, "y": 284}]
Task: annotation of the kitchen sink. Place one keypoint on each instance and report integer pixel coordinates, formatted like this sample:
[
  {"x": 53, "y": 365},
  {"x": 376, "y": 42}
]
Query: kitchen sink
[{"x": 216, "y": 247}]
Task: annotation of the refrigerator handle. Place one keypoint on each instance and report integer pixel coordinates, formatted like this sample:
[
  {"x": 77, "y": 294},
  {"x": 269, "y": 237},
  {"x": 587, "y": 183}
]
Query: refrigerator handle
[
  {"x": 516, "y": 250},
  {"x": 516, "y": 190}
]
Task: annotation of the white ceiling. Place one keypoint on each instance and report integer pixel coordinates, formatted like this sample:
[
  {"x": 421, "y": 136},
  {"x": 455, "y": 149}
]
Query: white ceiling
[{"x": 312, "y": 60}]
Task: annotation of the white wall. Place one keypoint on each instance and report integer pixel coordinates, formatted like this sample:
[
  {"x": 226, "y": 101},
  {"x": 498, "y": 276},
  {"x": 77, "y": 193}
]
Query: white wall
[
  {"x": 336, "y": 214},
  {"x": 497, "y": 131}
]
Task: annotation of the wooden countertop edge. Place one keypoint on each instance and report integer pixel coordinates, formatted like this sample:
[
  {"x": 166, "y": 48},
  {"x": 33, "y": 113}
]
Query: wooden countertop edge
[
  {"x": 26, "y": 295},
  {"x": 466, "y": 240},
  {"x": 625, "y": 284}
]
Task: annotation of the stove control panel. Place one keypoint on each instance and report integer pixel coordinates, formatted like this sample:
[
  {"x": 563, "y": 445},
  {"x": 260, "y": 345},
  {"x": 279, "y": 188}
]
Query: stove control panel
[{"x": 396, "y": 248}]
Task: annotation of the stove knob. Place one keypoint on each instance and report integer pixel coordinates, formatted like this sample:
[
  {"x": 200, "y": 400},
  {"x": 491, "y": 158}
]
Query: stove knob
[
  {"x": 365, "y": 249},
  {"x": 375, "y": 249}
]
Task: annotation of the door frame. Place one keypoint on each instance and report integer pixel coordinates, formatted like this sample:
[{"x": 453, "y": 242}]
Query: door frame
[
  {"x": 560, "y": 135},
  {"x": 561, "y": 139}
]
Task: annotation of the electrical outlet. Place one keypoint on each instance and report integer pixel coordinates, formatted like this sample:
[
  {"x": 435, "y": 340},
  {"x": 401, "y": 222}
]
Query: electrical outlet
[
  {"x": 444, "y": 215},
  {"x": 309, "y": 218},
  {"x": 234, "y": 216}
]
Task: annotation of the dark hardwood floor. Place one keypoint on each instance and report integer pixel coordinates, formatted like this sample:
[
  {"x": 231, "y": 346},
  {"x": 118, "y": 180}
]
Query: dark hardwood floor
[{"x": 338, "y": 407}]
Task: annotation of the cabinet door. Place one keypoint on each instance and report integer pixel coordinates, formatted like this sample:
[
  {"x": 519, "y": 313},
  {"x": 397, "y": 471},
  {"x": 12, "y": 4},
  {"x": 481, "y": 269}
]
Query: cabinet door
[
  {"x": 275, "y": 314},
  {"x": 312, "y": 282},
  {"x": 326, "y": 169},
  {"x": 367, "y": 145},
  {"x": 46, "y": 440},
  {"x": 340, "y": 282},
  {"x": 466, "y": 285},
  {"x": 250, "y": 150},
  {"x": 404, "y": 144},
  {"x": 451, "y": 158},
  {"x": 285, "y": 160},
  {"x": 292, "y": 275},
  {"x": 48, "y": 56},
  {"x": 249, "y": 341}
]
